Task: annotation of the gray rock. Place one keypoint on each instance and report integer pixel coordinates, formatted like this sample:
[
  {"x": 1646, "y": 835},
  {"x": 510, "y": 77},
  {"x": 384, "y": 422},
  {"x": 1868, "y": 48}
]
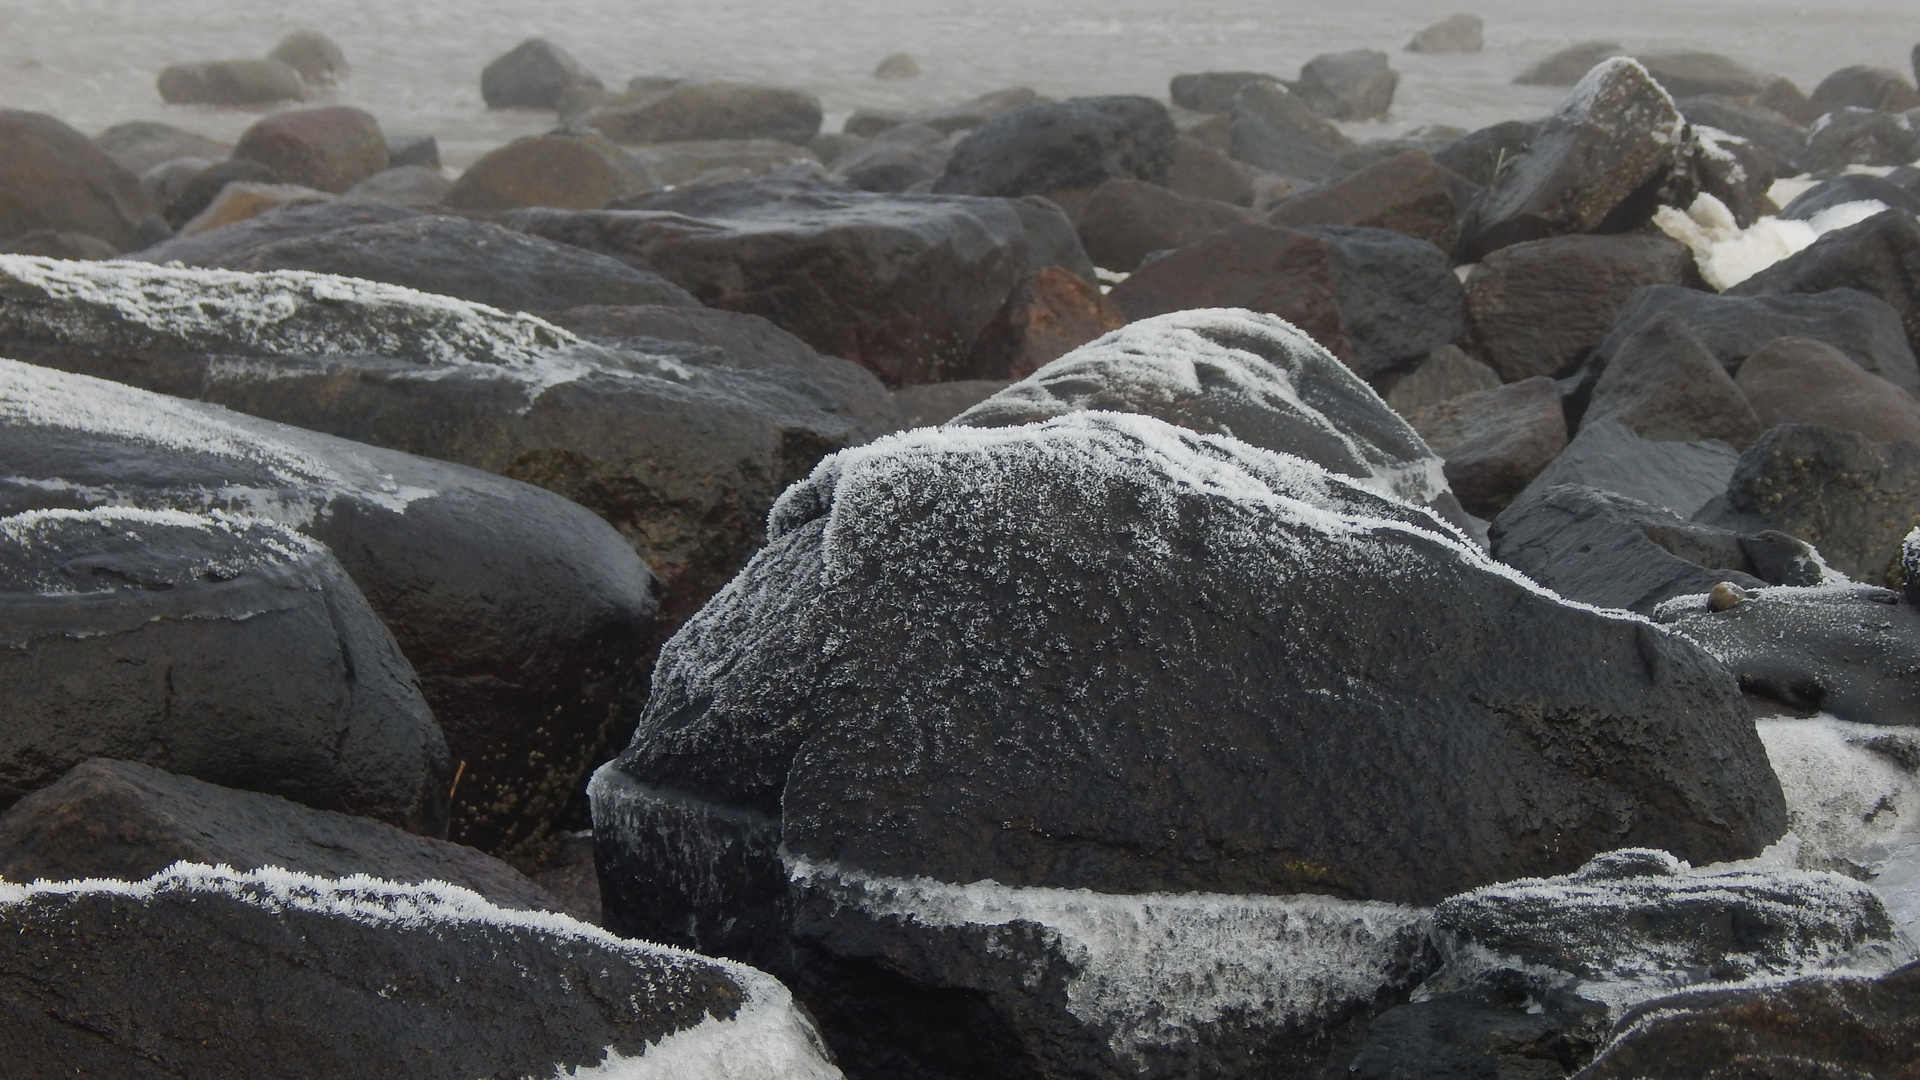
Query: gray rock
[
  {"x": 535, "y": 74},
  {"x": 1690, "y": 74},
  {"x": 1447, "y": 373},
  {"x": 1126, "y": 220},
  {"x": 572, "y": 170},
  {"x": 897, "y": 66},
  {"x": 1453, "y": 34},
  {"x": 1865, "y": 87},
  {"x": 1276, "y": 130},
  {"x": 1664, "y": 385},
  {"x": 1678, "y": 476},
  {"x": 1802, "y": 381},
  {"x": 1880, "y": 256},
  {"x": 1202, "y": 170},
  {"x": 230, "y": 82},
  {"x": 1356, "y": 85},
  {"x": 1409, "y": 193},
  {"x": 1212, "y": 91},
  {"x": 898, "y": 158},
  {"x": 1851, "y": 136},
  {"x": 317, "y": 57},
  {"x": 975, "y": 113},
  {"x": 1785, "y": 141},
  {"x": 142, "y": 144},
  {"x": 403, "y": 185},
  {"x": 1569, "y": 65},
  {"x": 933, "y": 404},
  {"x": 1482, "y": 155},
  {"x": 705, "y": 111},
  {"x": 1847, "y": 188},
  {"x": 1073, "y": 145},
  {"x": 1495, "y": 441}
]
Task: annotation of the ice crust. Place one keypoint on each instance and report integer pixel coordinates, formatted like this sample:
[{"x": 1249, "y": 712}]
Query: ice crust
[
  {"x": 767, "y": 1039},
  {"x": 1728, "y": 255},
  {"x": 1155, "y": 969},
  {"x": 255, "y": 542}
]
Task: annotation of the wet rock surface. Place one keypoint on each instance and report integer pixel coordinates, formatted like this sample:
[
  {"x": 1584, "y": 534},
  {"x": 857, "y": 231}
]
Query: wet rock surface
[
  {"x": 1408, "y": 193},
  {"x": 1681, "y": 476},
  {"x": 1495, "y": 441},
  {"x": 1073, "y": 145}
]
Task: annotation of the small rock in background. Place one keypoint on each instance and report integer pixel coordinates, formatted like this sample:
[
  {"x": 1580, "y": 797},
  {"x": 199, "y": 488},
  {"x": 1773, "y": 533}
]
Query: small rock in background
[
  {"x": 536, "y": 74},
  {"x": 575, "y": 171},
  {"x": 329, "y": 149},
  {"x": 1447, "y": 373},
  {"x": 898, "y": 66},
  {"x": 142, "y": 144},
  {"x": 1212, "y": 91},
  {"x": 420, "y": 150},
  {"x": 1482, "y": 155},
  {"x": 1788, "y": 101},
  {"x": 686, "y": 112},
  {"x": 1569, "y": 65},
  {"x": 1453, "y": 34},
  {"x": 318, "y": 59},
  {"x": 1063, "y": 150},
  {"x": 1864, "y": 87},
  {"x": 1495, "y": 441},
  {"x": 1409, "y": 193},
  {"x": 231, "y": 82},
  {"x": 53, "y": 177},
  {"x": 1275, "y": 129},
  {"x": 1126, "y": 220},
  {"x": 1355, "y": 85},
  {"x": 1854, "y": 136},
  {"x": 1690, "y": 74},
  {"x": 1802, "y": 381},
  {"x": 897, "y": 159}
]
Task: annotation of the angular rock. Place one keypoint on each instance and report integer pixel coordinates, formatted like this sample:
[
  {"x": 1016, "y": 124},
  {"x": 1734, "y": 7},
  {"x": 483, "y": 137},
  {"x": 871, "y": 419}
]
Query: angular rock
[
  {"x": 1538, "y": 307},
  {"x": 1664, "y": 385},
  {"x": 1865, "y": 87},
  {"x": 413, "y": 150},
  {"x": 1374, "y": 298},
  {"x": 318, "y": 977},
  {"x": 901, "y": 284},
  {"x": 530, "y": 635},
  {"x": 53, "y": 177},
  {"x": 712, "y": 110},
  {"x": 142, "y": 144},
  {"x": 536, "y": 74},
  {"x": 402, "y": 185},
  {"x": 1838, "y": 490},
  {"x": 1453, "y": 34},
  {"x": 849, "y": 803},
  {"x": 199, "y": 192},
  {"x": 1126, "y": 220},
  {"x": 1850, "y": 136},
  {"x": 60, "y": 245},
  {"x": 1736, "y": 172},
  {"x": 1786, "y": 99},
  {"x": 230, "y": 649},
  {"x": 1045, "y": 317},
  {"x": 1851, "y": 187},
  {"x": 330, "y": 148},
  {"x": 118, "y": 819},
  {"x": 1212, "y": 91},
  {"x": 1880, "y": 256},
  {"x": 1356, "y": 85},
  {"x": 1601, "y": 163},
  {"x": 896, "y": 159},
  {"x": 230, "y": 82},
  {"x": 1614, "y": 551},
  {"x": 1202, "y": 170},
  {"x": 1482, "y": 155},
  {"x": 1802, "y": 381},
  {"x": 164, "y": 182},
  {"x": 1571, "y": 64},
  {"x": 1678, "y": 476},
  {"x": 1781, "y": 139},
  {"x": 1447, "y": 373},
  {"x": 1409, "y": 193},
  {"x": 239, "y": 201},
  {"x": 317, "y": 57},
  {"x": 1690, "y": 74},
  {"x": 571, "y": 172},
  {"x": 1495, "y": 441},
  {"x": 1066, "y": 146},
  {"x": 1274, "y": 129}
]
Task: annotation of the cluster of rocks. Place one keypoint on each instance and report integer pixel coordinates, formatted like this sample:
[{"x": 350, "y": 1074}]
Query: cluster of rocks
[
  {"x": 304, "y": 64},
  {"x": 1101, "y": 587}
]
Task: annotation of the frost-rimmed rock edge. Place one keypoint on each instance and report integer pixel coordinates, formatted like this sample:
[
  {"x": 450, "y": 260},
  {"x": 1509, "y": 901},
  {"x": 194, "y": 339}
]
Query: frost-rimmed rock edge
[
  {"x": 1155, "y": 969},
  {"x": 1157, "y": 360},
  {"x": 766, "y": 1039},
  {"x": 271, "y": 540}
]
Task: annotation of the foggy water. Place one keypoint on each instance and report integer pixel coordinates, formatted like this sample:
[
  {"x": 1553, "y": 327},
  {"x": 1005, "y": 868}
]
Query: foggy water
[{"x": 417, "y": 62}]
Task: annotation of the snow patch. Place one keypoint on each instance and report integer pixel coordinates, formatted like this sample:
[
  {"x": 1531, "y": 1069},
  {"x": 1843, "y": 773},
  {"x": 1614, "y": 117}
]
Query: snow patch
[{"x": 1728, "y": 255}]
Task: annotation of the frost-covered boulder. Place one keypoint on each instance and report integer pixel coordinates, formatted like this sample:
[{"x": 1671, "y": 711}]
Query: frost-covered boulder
[
  {"x": 1239, "y": 373},
  {"x": 529, "y": 634},
  {"x": 1172, "y": 669},
  {"x": 683, "y": 460},
  {"x": 229, "y": 649},
  {"x": 316, "y": 977}
]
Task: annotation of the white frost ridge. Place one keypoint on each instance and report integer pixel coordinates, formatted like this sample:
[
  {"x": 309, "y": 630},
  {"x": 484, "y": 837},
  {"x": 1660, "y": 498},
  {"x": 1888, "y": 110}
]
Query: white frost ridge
[
  {"x": 766, "y": 1040},
  {"x": 1155, "y": 968}
]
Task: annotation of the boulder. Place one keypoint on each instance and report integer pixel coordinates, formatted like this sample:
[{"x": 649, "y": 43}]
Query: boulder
[
  {"x": 1880, "y": 256},
  {"x": 1045, "y": 317},
  {"x": 164, "y": 182},
  {"x": 968, "y": 115},
  {"x": 998, "y": 551},
  {"x": 1212, "y": 91},
  {"x": 530, "y": 635},
  {"x": 1838, "y": 490},
  {"x": 1495, "y": 441},
  {"x": 1239, "y": 374},
  {"x": 1783, "y": 97},
  {"x": 1664, "y": 385},
  {"x": 226, "y": 648},
  {"x": 197, "y": 193},
  {"x": 360, "y": 977},
  {"x": 1453, "y": 34},
  {"x": 711, "y": 110},
  {"x": 568, "y": 171},
  {"x": 413, "y": 150},
  {"x": 933, "y": 404},
  {"x": 1356, "y": 85},
  {"x": 1613, "y": 551},
  {"x": 330, "y": 148},
  {"x": 1202, "y": 170},
  {"x": 897, "y": 66},
  {"x": 1571, "y": 64},
  {"x": 1677, "y": 476},
  {"x": 1274, "y": 129},
  {"x": 1850, "y": 188},
  {"x": 1067, "y": 146},
  {"x": 236, "y": 241},
  {"x": 317, "y": 57},
  {"x": 899, "y": 158},
  {"x": 1126, "y": 220},
  {"x": 118, "y": 819},
  {"x": 1409, "y": 193},
  {"x": 1601, "y": 163},
  {"x": 1831, "y": 1025},
  {"x": 141, "y": 144},
  {"x": 1802, "y": 381},
  {"x": 1447, "y": 373},
  {"x": 1865, "y": 87},
  {"x": 239, "y": 201},
  {"x": 50, "y": 244},
  {"x": 1538, "y": 307},
  {"x": 1690, "y": 74},
  {"x": 402, "y": 185},
  {"x": 1374, "y": 298},
  {"x": 1733, "y": 170},
  {"x": 1782, "y": 140},
  {"x": 1850, "y": 136},
  {"x": 901, "y": 284},
  {"x": 1480, "y": 156},
  {"x": 230, "y": 83},
  {"x": 473, "y": 260},
  {"x": 536, "y": 74},
  {"x": 1500, "y": 1026},
  {"x": 53, "y": 177}
]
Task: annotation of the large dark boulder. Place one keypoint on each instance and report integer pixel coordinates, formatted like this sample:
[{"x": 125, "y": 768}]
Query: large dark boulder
[
  {"x": 1802, "y": 381},
  {"x": 1602, "y": 163},
  {"x": 230, "y": 649},
  {"x": 1124, "y": 221},
  {"x": 1408, "y": 193},
  {"x": 328, "y": 149},
  {"x": 205, "y": 972},
  {"x": 1374, "y": 298},
  {"x": 1276, "y": 130},
  {"x": 529, "y": 632},
  {"x": 1495, "y": 441},
  {"x": 1356, "y": 85},
  {"x": 1880, "y": 256},
  {"x": 711, "y": 110},
  {"x": 1781, "y": 139},
  {"x": 1664, "y": 384},
  {"x": 1680, "y": 476},
  {"x": 1865, "y": 87},
  {"x": 1851, "y": 136},
  {"x": 535, "y": 74},
  {"x": 779, "y": 769},
  {"x": 117, "y": 819},
  {"x": 53, "y": 177},
  {"x": 1065, "y": 146},
  {"x": 901, "y": 284}
]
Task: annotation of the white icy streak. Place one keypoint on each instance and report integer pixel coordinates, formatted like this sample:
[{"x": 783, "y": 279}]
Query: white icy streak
[
  {"x": 1728, "y": 255},
  {"x": 29, "y": 527},
  {"x": 766, "y": 1040},
  {"x": 1154, "y": 968}
]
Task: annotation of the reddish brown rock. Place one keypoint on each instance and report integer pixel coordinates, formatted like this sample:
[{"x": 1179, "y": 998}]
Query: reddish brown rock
[
  {"x": 53, "y": 177},
  {"x": 1796, "y": 380},
  {"x": 328, "y": 149},
  {"x": 1047, "y": 316},
  {"x": 568, "y": 172},
  {"x": 1495, "y": 441},
  {"x": 1409, "y": 193},
  {"x": 1126, "y": 220}
]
